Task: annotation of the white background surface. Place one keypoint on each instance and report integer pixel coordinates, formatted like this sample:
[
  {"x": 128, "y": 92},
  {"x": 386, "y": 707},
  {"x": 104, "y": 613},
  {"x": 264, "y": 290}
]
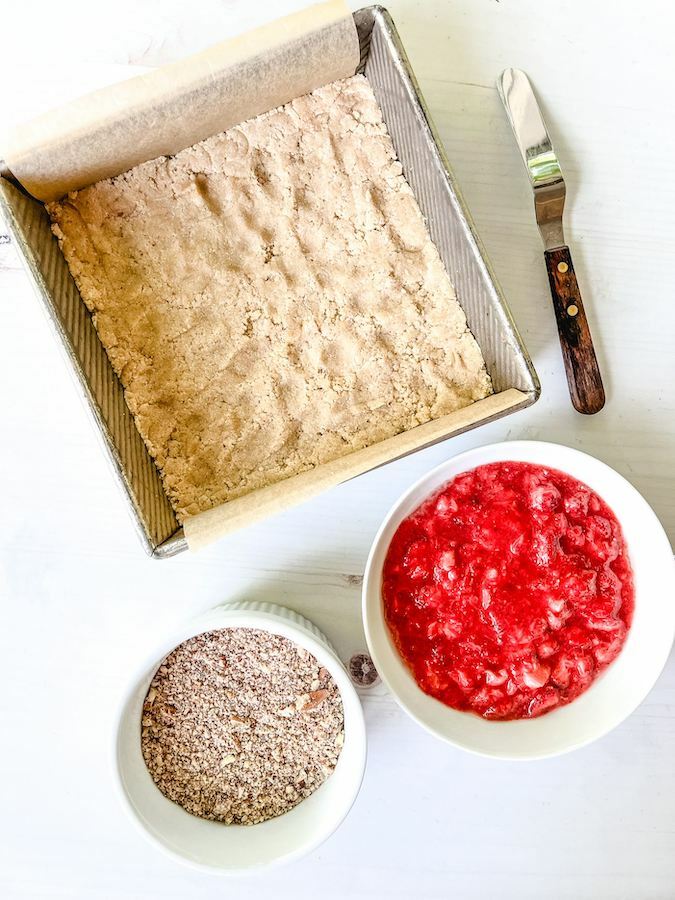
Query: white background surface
[{"x": 81, "y": 604}]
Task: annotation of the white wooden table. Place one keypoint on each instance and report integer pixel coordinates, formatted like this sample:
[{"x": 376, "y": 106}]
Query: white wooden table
[{"x": 81, "y": 603}]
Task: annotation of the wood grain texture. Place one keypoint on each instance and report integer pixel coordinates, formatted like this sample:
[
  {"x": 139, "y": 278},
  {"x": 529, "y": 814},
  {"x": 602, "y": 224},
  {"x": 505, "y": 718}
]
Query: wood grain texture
[
  {"x": 581, "y": 364},
  {"x": 82, "y": 605}
]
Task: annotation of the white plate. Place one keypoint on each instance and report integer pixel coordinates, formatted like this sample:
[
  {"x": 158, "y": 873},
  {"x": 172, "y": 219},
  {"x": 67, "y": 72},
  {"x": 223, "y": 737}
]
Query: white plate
[
  {"x": 616, "y": 692},
  {"x": 235, "y": 849}
]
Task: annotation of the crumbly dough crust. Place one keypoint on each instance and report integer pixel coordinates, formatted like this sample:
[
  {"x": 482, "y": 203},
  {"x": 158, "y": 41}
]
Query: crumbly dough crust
[{"x": 270, "y": 297}]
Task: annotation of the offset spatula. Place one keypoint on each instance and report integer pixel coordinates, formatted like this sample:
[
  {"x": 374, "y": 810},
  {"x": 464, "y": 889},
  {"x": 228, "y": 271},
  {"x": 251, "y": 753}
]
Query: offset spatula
[{"x": 541, "y": 162}]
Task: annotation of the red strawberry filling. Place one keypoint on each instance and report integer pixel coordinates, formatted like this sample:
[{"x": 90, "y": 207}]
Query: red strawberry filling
[{"x": 509, "y": 590}]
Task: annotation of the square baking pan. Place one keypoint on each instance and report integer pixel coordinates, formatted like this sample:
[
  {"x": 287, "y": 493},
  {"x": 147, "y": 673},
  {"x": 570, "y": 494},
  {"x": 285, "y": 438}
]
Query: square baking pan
[{"x": 385, "y": 65}]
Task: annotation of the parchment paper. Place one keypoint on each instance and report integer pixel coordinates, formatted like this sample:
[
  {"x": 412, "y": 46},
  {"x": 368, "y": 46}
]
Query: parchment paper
[
  {"x": 112, "y": 130},
  {"x": 208, "y": 526}
]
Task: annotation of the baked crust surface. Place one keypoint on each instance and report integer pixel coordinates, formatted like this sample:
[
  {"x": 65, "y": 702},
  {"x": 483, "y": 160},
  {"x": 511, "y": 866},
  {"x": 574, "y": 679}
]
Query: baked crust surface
[{"x": 270, "y": 297}]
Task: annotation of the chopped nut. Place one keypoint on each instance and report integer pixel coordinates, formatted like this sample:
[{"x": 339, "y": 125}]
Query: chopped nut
[
  {"x": 314, "y": 699},
  {"x": 239, "y": 720}
]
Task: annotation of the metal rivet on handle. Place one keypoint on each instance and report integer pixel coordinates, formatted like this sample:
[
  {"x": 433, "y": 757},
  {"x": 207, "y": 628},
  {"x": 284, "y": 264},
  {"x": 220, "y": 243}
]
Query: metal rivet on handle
[
  {"x": 572, "y": 310},
  {"x": 562, "y": 267}
]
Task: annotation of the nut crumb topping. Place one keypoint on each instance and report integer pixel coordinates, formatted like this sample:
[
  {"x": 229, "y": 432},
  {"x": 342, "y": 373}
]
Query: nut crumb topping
[{"x": 240, "y": 725}]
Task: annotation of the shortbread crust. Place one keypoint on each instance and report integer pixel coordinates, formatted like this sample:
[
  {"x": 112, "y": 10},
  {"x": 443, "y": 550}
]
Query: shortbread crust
[{"x": 270, "y": 297}]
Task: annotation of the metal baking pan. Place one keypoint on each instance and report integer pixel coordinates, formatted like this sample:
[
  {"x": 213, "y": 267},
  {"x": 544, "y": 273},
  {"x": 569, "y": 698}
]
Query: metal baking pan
[{"x": 386, "y": 66}]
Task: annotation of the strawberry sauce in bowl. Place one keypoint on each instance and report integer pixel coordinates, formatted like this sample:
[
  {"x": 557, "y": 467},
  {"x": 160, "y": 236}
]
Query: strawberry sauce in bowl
[
  {"x": 519, "y": 600},
  {"x": 509, "y": 590}
]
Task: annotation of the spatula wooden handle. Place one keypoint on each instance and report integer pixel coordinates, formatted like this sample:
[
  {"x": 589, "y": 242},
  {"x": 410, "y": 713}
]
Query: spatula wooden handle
[{"x": 581, "y": 364}]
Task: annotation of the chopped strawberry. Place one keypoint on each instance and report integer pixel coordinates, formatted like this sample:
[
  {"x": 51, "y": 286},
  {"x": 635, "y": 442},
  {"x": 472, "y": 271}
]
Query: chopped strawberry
[
  {"x": 536, "y": 676},
  {"x": 545, "y": 497},
  {"x": 543, "y": 701},
  {"x": 576, "y": 501},
  {"x": 446, "y": 505},
  {"x": 547, "y": 648}
]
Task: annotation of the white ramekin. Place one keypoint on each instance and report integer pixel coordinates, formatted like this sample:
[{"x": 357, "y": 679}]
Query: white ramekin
[
  {"x": 235, "y": 849},
  {"x": 616, "y": 692}
]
